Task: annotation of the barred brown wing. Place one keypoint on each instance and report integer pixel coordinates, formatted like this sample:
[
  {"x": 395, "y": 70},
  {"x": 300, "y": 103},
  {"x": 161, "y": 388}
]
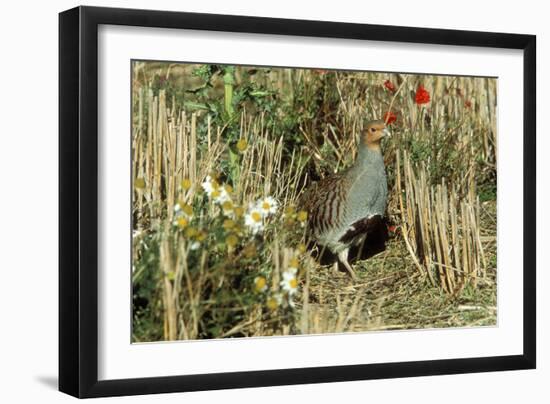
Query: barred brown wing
[{"x": 325, "y": 203}]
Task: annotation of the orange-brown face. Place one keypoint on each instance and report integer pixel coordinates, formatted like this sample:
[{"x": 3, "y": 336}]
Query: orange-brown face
[{"x": 374, "y": 132}]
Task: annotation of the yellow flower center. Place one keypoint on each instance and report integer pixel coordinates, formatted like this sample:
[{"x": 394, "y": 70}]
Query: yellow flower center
[
  {"x": 293, "y": 263},
  {"x": 231, "y": 240},
  {"x": 187, "y": 209},
  {"x": 256, "y": 216},
  {"x": 302, "y": 248},
  {"x": 293, "y": 283},
  {"x": 227, "y": 206},
  {"x": 228, "y": 188},
  {"x": 201, "y": 236},
  {"x": 242, "y": 145},
  {"x": 302, "y": 216},
  {"x": 289, "y": 211},
  {"x": 215, "y": 193},
  {"x": 186, "y": 184},
  {"x": 239, "y": 211},
  {"x": 266, "y": 206},
  {"x": 139, "y": 183},
  {"x": 191, "y": 232},
  {"x": 272, "y": 303},
  {"x": 182, "y": 222},
  {"x": 260, "y": 283},
  {"x": 228, "y": 224}
]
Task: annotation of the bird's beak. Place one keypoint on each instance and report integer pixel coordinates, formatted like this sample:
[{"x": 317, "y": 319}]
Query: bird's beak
[{"x": 387, "y": 132}]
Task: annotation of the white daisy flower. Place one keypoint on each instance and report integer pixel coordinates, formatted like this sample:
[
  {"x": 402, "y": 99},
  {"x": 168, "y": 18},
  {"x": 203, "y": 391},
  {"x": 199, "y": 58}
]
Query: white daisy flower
[
  {"x": 208, "y": 185},
  {"x": 267, "y": 205},
  {"x": 254, "y": 220},
  {"x": 228, "y": 208},
  {"x": 274, "y": 301},
  {"x": 289, "y": 282},
  {"x": 181, "y": 221},
  {"x": 292, "y": 271},
  {"x": 195, "y": 246},
  {"x": 220, "y": 195},
  {"x": 183, "y": 214},
  {"x": 293, "y": 265}
]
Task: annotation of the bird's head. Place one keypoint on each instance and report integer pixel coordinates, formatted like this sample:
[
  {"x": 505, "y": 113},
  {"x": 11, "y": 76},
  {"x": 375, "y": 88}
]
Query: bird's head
[{"x": 373, "y": 134}]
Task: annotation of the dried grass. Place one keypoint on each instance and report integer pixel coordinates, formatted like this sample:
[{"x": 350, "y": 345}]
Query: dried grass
[{"x": 444, "y": 239}]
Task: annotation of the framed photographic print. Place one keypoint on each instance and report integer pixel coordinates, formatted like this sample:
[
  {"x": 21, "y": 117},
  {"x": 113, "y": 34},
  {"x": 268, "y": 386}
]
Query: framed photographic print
[{"x": 250, "y": 201}]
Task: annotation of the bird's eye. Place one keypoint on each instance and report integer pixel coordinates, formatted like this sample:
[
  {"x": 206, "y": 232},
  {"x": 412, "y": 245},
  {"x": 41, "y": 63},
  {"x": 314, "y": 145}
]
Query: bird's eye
[{"x": 372, "y": 130}]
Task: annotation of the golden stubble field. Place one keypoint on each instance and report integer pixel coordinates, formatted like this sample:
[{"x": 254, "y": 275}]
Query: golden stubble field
[{"x": 220, "y": 156}]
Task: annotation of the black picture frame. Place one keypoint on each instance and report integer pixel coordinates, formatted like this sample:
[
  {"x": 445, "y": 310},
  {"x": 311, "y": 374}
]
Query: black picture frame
[{"x": 78, "y": 201}]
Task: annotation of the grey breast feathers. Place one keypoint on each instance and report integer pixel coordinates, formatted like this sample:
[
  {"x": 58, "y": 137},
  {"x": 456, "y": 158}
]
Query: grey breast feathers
[{"x": 368, "y": 192}]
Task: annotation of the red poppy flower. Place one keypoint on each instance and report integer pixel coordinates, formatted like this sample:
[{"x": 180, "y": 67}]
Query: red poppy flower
[
  {"x": 390, "y": 117},
  {"x": 468, "y": 104},
  {"x": 389, "y": 85},
  {"x": 422, "y": 96}
]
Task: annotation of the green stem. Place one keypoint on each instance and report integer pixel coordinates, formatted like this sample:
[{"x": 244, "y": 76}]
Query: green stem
[{"x": 229, "y": 82}]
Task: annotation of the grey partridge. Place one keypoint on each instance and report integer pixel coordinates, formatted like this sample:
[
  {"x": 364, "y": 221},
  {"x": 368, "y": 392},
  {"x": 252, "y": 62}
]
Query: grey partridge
[{"x": 342, "y": 207}]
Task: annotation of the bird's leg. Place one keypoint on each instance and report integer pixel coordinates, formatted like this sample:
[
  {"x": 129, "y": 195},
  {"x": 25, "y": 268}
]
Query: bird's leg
[
  {"x": 335, "y": 269},
  {"x": 343, "y": 257}
]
